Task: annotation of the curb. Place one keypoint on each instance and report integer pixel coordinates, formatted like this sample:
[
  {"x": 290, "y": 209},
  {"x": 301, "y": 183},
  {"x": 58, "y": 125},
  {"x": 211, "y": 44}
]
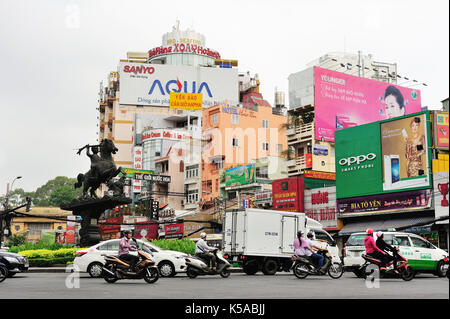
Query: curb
[{"x": 63, "y": 269}]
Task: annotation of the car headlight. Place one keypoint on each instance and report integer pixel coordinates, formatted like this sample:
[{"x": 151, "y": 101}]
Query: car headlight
[{"x": 12, "y": 259}]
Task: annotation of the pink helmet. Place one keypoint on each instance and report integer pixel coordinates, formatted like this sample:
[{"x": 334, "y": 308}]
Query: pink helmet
[{"x": 369, "y": 231}]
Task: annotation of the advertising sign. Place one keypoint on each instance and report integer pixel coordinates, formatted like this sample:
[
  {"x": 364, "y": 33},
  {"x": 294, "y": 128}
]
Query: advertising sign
[
  {"x": 441, "y": 195},
  {"x": 146, "y": 230},
  {"x": 263, "y": 197},
  {"x": 320, "y": 149},
  {"x": 241, "y": 175},
  {"x": 320, "y": 175},
  {"x": 383, "y": 203},
  {"x": 129, "y": 172},
  {"x": 343, "y": 101},
  {"x": 288, "y": 194},
  {"x": 190, "y": 101},
  {"x": 320, "y": 205},
  {"x": 109, "y": 229},
  {"x": 166, "y": 134},
  {"x": 152, "y": 84},
  {"x": 404, "y": 148},
  {"x": 441, "y": 131},
  {"x": 137, "y": 164},
  {"x": 70, "y": 230},
  {"x": 375, "y": 158},
  {"x": 152, "y": 178},
  {"x": 174, "y": 230}
]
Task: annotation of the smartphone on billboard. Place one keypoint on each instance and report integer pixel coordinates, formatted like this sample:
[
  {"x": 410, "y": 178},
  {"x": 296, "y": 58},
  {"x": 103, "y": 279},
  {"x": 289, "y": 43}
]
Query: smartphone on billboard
[{"x": 395, "y": 169}]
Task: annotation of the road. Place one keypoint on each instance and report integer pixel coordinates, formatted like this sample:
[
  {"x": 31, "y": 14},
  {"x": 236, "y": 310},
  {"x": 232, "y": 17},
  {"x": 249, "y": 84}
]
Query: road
[{"x": 237, "y": 286}]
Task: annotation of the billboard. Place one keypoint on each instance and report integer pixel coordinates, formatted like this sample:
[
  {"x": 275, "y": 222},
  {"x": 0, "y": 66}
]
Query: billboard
[
  {"x": 239, "y": 176},
  {"x": 404, "y": 146},
  {"x": 367, "y": 164},
  {"x": 152, "y": 84},
  {"x": 174, "y": 230},
  {"x": 190, "y": 101},
  {"x": 320, "y": 205},
  {"x": 441, "y": 131},
  {"x": 288, "y": 194},
  {"x": 342, "y": 101},
  {"x": 384, "y": 203}
]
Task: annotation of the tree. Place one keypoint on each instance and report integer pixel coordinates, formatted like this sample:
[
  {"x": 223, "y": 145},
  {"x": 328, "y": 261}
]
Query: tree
[{"x": 42, "y": 196}]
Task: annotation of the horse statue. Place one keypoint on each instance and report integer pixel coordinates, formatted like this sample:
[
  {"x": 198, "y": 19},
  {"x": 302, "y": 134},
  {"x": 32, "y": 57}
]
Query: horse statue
[{"x": 103, "y": 168}]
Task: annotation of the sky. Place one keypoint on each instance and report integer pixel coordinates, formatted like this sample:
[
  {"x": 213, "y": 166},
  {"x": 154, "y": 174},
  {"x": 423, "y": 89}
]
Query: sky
[{"x": 55, "y": 53}]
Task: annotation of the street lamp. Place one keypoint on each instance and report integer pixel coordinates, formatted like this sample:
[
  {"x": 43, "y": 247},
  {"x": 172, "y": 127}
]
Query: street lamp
[{"x": 8, "y": 191}]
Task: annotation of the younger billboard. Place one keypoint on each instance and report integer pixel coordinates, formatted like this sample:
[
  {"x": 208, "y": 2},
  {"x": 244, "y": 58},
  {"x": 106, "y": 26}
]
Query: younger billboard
[
  {"x": 342, "y": 101},
  {"x": 241, "y": 175}
]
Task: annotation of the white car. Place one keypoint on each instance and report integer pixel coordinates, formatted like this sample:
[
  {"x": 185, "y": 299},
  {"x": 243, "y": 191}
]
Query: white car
[
  {"x": 422, "y": 255},
  {"x": 91, "y": 259}
]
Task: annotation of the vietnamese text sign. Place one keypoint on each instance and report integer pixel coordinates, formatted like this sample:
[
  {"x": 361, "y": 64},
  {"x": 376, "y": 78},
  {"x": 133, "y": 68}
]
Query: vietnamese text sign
[
  {"x": 263, "y": 197},
  {"x": 383, "y": 203},
  {"x": 152, "y": 178},
  {"x": 151, "y": 84},
  {"x": 174, "y": 230},
  {"x": 343, "y": 101},
  {"x": 320, "y": 175},
  {"x": 129, "y": 172},
  {"x": 191, "y": 101},
  {"x": 320, "y": 205}
]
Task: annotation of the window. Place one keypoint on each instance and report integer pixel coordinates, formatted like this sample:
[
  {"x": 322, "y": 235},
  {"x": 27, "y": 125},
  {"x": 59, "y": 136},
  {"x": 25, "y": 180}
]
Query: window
[
  {"x": 234, "y": 119},
  {"x": 181, "y": 166},
  {"x": 214, "y": 118},
  {"x": 402, "y": 241},
  {"x": 192, "y": 171},
  {"x": 219, "y": 165},
  {"x": 265, "y": 146},
  {"x": 113, "y": 245},
  {"x": 35, "y": 229},
  {"x": 418, "y": 242},
  {"x": 265, "y": 123},
  {"x": 323, "y": 236},
  {"x": 262, "y": 172},
  {"x": 235, "y": 142}
]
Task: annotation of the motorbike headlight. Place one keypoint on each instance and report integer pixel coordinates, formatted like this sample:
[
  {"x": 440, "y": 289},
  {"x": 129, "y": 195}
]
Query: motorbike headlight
[{"x": 12, "y": 259}]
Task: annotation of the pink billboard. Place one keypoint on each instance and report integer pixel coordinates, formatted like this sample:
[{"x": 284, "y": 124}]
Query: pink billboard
[{"x": 343, "y": 100}]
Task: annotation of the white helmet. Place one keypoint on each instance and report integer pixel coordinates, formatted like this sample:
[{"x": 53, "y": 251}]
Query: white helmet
[
  {"x": 202, "y": 235},
  {"x": 379, "y": 234}
]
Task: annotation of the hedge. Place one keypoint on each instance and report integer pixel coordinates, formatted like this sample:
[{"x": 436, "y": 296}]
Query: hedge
[
  {"x": 46, "y": 257},
  {"x": 184, "y": 245},
  {"x": 36, "y": 246}
]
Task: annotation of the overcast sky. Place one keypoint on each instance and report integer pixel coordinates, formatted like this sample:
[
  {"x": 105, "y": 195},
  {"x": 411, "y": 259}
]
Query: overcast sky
[{"x": 55, "y": 53}]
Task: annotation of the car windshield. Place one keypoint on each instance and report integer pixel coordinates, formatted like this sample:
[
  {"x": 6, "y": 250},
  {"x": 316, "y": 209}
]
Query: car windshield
[{"x": 356, "y": 240}]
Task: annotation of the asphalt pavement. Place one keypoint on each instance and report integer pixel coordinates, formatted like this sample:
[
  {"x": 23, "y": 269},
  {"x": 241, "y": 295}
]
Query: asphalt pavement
[{"x": 57, "y": 285}]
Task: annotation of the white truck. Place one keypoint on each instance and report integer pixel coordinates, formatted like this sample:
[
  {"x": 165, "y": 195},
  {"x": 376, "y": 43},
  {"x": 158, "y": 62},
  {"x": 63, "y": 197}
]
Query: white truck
[{"x": 260, "y": 239}]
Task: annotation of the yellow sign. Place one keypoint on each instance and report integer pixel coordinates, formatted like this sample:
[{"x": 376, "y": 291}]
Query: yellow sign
[{"x": 192, "y": 101}]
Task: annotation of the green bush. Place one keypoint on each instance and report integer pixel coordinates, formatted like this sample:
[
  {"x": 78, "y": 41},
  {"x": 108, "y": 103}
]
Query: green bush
[
  {"x": 17, "y": 240},
  {"x": 33, "y": 246},
  {"x": 182, "y": 245},
  {"x": 46, "y": 257}
]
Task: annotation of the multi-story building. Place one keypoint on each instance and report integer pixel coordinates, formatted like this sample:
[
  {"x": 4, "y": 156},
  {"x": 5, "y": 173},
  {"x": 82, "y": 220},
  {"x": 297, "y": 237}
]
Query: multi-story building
[
  {"x": 235, "y": 136},
  {"x": 309, "y": 150}
]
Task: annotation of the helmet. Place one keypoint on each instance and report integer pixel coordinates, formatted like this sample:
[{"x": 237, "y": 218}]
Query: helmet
[
  {"x": 126, "y": 232},
  {"x": 369, "y": 231},
  {"x": 379, "y": 234},
  {"x": 310, "y": 235},
  {"x": 202, "y": 235}
]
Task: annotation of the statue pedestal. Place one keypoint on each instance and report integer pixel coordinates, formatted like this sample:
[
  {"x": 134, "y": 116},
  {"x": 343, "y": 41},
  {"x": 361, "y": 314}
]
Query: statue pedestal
[{"x": 90, "y": 211}]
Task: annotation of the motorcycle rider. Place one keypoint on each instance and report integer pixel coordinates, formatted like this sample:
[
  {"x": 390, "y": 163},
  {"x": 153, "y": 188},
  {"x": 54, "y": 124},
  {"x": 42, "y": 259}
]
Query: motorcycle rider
[
  {"x": 304, "y": 247},
  {"x": 372, "y": 249},
  {"x": 386, "y": 248},
  {"x": 124, "y": 248},
  {"x": 202, "y": 250}
]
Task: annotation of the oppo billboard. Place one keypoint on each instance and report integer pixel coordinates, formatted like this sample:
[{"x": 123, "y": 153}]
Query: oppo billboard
[
  {"x": 151, "y": 84},
  {"x": 342, "y": 101},
  {"x": 384, "y": 157}
]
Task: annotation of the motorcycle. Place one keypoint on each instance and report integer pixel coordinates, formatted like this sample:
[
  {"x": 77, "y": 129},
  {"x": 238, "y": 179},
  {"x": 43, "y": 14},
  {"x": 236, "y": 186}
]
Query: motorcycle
[
  {"x": 199, "y": 267},
  {"x": 3, "y": 272},
  {"x": 304, "y": 266},
  {"x": 446, "y": 261},
  {"x": 116, "y": 269},
  {"x": 405, "y": 271}
]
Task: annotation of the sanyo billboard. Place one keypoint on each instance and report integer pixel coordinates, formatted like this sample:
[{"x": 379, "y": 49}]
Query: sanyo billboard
[{"x": 151, "y": 84}]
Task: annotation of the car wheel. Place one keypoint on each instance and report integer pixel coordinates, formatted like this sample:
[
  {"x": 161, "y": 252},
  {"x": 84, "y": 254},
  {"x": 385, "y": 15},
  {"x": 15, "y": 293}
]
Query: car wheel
[
  {"x": 270, "y": 267},
  {"x": 166, "y": 269},
  {"x": 3, "y": 273},
  {"x": 441, "y": 270},
  {"x": 95, "y": 270}
]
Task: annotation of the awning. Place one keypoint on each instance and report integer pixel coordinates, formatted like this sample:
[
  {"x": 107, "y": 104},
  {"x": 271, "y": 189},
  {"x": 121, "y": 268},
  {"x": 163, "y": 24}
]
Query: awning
[{"x": 384, "y": 224}]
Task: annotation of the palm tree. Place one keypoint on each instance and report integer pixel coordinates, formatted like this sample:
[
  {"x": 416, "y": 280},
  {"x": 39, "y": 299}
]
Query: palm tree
[{"x": 287, "y": 153}]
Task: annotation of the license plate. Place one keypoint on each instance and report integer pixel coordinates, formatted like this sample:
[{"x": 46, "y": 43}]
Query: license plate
[
  {"x": 235, "y": 258},
  {"x": 27, "y": 265}
]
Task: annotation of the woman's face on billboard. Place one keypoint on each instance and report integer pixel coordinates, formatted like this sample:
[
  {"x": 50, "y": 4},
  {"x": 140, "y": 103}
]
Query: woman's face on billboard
[
  {"x": 392, "y": 107},
  {"x": 415, "y": 127}
]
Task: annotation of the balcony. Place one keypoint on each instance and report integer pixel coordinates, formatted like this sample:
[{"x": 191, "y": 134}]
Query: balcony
[
  {"x": 302, "y": 133},
  {"x": 297, "y": 166}
]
